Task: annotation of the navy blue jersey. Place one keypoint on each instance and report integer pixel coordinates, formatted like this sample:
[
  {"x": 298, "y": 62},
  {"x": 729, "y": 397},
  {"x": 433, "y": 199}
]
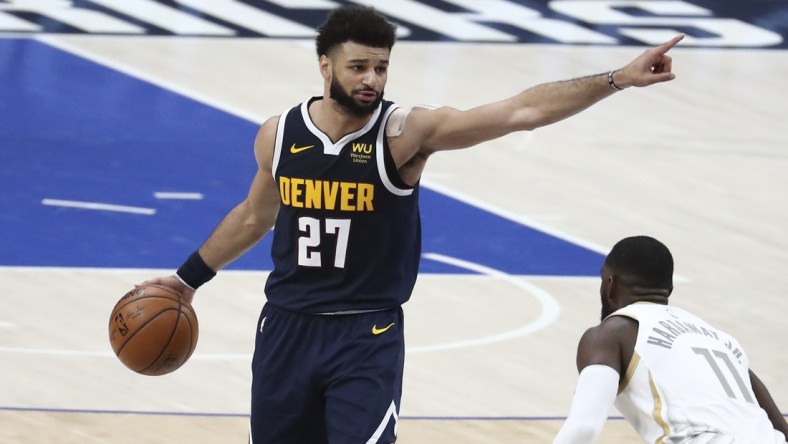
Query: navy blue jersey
[{"x": 348, "y": 233}]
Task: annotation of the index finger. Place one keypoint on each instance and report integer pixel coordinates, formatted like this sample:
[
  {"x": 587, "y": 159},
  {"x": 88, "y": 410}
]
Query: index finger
[{"x": 665, "y": 47}]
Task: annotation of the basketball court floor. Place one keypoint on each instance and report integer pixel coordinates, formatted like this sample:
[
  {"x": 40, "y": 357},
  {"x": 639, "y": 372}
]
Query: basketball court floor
[{"x": 126, "y": 133}]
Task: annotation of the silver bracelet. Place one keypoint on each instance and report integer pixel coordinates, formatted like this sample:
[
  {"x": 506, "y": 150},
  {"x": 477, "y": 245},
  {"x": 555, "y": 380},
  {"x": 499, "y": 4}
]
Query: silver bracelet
[{"x": 611, "y": 82}]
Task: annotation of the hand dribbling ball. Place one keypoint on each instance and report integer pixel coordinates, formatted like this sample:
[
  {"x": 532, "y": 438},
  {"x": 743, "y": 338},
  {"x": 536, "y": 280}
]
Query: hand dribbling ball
[{"x": 153, "y": 330}]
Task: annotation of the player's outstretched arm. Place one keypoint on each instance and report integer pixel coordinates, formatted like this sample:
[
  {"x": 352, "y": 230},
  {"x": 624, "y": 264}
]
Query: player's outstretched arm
[
  {"x": 551, "y": 102},
  {"x": 767, "y": 403},
  {"x": 544, "y": 104}
]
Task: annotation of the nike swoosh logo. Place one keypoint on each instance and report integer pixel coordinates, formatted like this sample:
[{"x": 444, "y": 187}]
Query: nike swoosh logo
[
  {"x": 297, "y": 149},
  {"x": 377, "y": 331}
]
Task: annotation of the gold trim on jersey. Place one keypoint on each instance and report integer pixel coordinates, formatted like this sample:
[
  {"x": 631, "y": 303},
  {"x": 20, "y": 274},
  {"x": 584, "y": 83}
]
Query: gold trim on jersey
[
  {"x": 658, "y": 411},
  {"x": 633, "y": 365}
]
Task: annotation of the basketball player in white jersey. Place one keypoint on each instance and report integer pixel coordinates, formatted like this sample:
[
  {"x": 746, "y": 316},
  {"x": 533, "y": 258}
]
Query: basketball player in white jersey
[{"x": 673, "y": 376}]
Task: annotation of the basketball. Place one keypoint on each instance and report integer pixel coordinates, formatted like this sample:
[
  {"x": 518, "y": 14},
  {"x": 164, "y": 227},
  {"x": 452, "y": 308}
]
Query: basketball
[{"x": 153, "y": 330}]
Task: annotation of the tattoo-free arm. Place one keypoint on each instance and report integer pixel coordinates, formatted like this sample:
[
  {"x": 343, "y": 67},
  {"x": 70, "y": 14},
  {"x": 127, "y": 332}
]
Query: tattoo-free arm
[
  {"x": 250, "y": 220},
  {"x": 245, "y": 224}
]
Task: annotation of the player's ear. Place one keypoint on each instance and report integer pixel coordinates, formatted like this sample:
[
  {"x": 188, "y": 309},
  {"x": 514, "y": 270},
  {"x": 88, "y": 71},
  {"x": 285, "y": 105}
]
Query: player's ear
[
  {"x": 613, "y": 288},
  {"x": 607, "y": 285},
  {"x": 325, "y": 67}
]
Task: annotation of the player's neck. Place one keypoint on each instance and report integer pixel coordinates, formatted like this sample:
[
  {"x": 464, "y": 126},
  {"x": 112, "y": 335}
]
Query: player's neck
[
  {"x": 330, "y": 118},
  {"x": 654, "y": 298}
]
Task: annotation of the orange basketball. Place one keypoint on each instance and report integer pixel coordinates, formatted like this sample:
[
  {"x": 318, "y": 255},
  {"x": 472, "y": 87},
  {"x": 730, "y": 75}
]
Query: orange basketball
[{"x": 153, "y": 330}]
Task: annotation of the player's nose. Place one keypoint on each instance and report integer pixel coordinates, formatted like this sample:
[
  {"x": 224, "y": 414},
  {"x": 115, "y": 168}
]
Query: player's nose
[{"x": 371, "y": 79}]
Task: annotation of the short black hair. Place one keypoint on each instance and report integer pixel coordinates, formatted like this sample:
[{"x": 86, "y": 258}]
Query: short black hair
[
  {"x": 355, "y": 23},
  {"x": 643, "y": 260}
]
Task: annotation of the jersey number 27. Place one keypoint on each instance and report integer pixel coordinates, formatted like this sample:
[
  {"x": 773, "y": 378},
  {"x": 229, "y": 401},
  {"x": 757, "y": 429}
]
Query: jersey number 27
[{"x": 312, "y": 237}]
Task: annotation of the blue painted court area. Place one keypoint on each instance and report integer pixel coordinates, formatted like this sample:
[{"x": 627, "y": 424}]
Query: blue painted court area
[{"x": 72, "y": 130}]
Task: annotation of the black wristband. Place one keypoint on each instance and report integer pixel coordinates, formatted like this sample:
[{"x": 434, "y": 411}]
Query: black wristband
[{"x": 194, "y": 272}]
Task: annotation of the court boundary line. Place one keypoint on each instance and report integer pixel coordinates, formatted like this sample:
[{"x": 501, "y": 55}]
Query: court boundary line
[
  {"x": 550, "y": 312},
  {"x": 518, "y": 219},
  {"x": 36, "y": 268},
  {"x": 246, "y": 415}
]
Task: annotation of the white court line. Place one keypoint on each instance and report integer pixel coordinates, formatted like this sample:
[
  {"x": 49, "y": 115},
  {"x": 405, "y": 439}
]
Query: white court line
[
  {"x": 109, "y": 354},
  {"x": 53, "y": 352},
  {"x": 177, "y": 196},
  {"x": 550, "y": 307},
  {"x": 523, "y": 220},
  {"x": 71, "y": 48},
  {"x": 550, "y": 311},
  {"x": 520, "y": 219},
  {"x": 98, "y": 206}
]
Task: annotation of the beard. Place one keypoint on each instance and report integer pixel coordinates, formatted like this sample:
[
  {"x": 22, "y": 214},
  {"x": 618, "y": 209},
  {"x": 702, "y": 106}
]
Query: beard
[{"x": 349, "y": 104}]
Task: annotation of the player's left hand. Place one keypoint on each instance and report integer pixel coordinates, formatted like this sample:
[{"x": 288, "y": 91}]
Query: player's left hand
[{"x": 653, "y": 66}]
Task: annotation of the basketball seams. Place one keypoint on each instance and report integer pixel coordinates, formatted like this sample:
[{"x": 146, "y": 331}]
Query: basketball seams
[
  {"x": 192, "y": 336},
  {"x": 131, "y": 301},
  {"x": 150, "y": 334},
  {"x": 169, "y": 340},
  {"x": 167, "y": 289}
]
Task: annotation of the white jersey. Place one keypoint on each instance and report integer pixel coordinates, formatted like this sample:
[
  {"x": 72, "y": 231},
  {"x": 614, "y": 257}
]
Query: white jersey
[{"x": 689, "y": 382}]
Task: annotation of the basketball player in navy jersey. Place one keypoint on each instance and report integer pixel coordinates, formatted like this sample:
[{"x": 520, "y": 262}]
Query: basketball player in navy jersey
[
  {"x": 338, "y": 179},
  {"x": 673, "y": 376}
]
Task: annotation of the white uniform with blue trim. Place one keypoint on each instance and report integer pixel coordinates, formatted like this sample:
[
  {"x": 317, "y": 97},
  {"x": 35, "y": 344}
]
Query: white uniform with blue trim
[{"x": 688, "y": 382}]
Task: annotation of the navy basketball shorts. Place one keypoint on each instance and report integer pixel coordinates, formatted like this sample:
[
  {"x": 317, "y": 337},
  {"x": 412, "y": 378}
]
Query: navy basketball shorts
[{"x": 327, "y": 378}]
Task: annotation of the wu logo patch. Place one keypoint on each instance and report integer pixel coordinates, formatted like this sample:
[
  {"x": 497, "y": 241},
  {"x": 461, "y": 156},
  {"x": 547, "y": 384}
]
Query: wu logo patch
[
  {"x": 365, "y": 148},
  {"x": 362, "y": 152}
]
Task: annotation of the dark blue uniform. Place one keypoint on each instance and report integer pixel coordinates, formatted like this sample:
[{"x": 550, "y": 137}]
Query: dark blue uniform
[
  {"x": 330, "y": 351},
  {"x": 347, "y": 236}
]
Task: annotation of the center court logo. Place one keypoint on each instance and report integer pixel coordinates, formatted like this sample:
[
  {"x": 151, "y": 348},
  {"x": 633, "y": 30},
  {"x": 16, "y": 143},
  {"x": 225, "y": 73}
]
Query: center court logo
[{"x": 707, "y": 23}]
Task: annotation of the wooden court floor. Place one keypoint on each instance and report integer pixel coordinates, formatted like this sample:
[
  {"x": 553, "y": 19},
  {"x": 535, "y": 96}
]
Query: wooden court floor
[{"x": 699, "y": 163}]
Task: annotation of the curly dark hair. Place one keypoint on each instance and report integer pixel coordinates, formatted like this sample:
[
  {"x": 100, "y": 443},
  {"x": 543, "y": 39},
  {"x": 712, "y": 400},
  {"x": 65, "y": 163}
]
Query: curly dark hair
[{"x": 355, "y": 23}]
